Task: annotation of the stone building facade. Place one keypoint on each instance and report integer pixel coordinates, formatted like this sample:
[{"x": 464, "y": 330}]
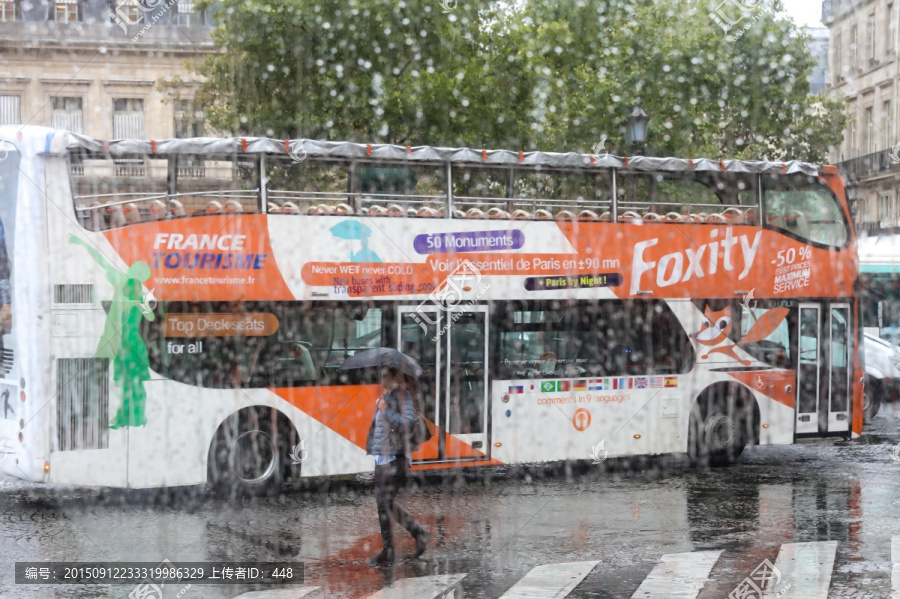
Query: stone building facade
[
  {"x": 95, "y": 66},
  {"x": 865, "y": 72}
]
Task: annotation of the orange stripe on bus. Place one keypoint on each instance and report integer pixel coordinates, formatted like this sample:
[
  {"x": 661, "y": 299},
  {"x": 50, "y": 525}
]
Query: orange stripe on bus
[
  {"x": 348, "y": 411},
  {"x": 773, "y": 384}
]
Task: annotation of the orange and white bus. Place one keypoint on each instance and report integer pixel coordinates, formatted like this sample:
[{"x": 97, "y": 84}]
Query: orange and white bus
[{"x": 180, "y": 308}]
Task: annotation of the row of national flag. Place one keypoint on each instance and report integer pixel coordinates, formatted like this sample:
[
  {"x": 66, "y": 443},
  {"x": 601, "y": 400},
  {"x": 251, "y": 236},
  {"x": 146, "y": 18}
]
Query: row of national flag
[{"x": 607, "y": 384}]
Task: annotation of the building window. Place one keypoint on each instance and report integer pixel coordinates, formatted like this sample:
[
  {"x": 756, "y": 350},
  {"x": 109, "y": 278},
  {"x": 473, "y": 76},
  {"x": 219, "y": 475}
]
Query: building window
[
  {"x": 885, "y": 210},
  {"x": 128, "y": 118},
  {"x": 869, "y": 215},
  {"x": 66, "y": 11},
  {"x": 854, "y": 48},
  {"x": 889, "y": 30},
  {"x": 838, "y": 69},
  {"x": 187, "y": 14},
  {"x": 896, "y": 205},
  {"x": 67, "y": 114},
  {"x": 10, "y": 110},
  {"x": 870, "y": 132},
  {"x": 189, "y": 122},
  {"x": 851, "y": 135},
  {"x": 870, "y": 38},
  {"x": 128, "y": 123},
  {"x": 129, "y": 11},
  {"x": 189, "y": 119},
  {"x": 9, "y": 11},
  {"x": 886, "y": 124}
]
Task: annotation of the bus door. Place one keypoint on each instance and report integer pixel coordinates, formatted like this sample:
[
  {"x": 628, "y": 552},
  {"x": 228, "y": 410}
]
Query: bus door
[
  {"x": 823, "y": 374},
  {"x": 451, "y": 345}
]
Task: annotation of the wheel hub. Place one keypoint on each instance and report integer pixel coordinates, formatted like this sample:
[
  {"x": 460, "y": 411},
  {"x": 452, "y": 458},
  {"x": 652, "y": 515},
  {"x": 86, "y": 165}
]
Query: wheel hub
[
  {"x": 255, "y": 457},
  {"x": 720, "y": 433}
]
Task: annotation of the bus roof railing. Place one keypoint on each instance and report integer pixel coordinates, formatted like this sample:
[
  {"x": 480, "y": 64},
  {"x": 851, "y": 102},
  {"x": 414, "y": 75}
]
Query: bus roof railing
[{"x": 350, "y": 151}]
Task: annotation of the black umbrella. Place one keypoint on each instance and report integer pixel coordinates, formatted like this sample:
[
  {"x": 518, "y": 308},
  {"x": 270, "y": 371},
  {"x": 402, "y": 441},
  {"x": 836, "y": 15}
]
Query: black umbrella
[{"x": 383, "y": 356}]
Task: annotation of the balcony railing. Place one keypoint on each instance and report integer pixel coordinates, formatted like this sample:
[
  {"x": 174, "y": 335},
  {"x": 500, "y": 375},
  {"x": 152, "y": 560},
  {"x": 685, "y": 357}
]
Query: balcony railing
[{"x": 868, "y": 165}]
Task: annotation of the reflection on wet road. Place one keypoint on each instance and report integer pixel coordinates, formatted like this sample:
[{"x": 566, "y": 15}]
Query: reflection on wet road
[{"x": 804, "y": 519}]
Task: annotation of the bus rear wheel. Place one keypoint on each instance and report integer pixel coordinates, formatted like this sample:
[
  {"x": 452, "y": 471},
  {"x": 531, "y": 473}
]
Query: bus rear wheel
[
  {"x": 250, "y": 453},
  {"x": 720, "y": 427}
]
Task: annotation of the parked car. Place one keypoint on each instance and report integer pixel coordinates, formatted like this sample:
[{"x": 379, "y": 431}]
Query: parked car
[{"x": 882, "y": 373}]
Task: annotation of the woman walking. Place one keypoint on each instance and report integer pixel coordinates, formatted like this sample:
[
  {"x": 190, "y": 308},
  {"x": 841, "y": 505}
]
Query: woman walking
[{"x": 390, "y": 441}]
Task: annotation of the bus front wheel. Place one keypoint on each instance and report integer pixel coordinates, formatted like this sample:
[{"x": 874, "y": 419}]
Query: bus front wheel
[{"x": 249, "y": 453}]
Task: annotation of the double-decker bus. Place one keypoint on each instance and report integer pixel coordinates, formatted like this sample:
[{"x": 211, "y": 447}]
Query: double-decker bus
[{"x": 180, "y": 308}]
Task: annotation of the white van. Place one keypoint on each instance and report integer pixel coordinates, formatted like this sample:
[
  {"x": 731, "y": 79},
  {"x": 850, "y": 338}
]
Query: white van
[{"x": 882, "y": 372}]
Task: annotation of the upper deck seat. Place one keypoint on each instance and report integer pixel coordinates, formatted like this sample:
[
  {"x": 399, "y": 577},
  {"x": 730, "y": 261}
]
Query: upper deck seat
[
  {"x": 157, "y": 210},
  {"x": 565, "y": 215},
  {"x": 542, "y": 214},
  {"x": 290, "y": 208},
  {"x": 796, "y": 222},
  {"x": 751, "y": 216},
  {"x": 396, "y": 210},
  {"x": 497, "y": 213},
  {"x": 674, "y": 217},
  {"x": 775, "y": 218},
  {"x": 458, "y": 213},
  {"x": 273, "y": 208},
  {"x": 93, "y": 218},
  {"x": 115, "y": 216},
  {"x": 652, "y": 217},
  {"x": 716, "y": 218},
  {"x": 214, "y": 207},
  {"x": 605, "y": 217},
  {"x": 475, "y": 213},
  {"x": 734, "y": 216},
  {"x": 629, "y": 216},
  {"x": 427, "y": 211},
  {"x": 343, "y": 209},
  {"x": 377, "y": 210},
  {"x": 587, "y": 215},
  {"x": 176, "y": 208},
  {"x": 132, "y": 213},
  {"x": 521, "y": 214},
  {"x": 233, "y": 207}
]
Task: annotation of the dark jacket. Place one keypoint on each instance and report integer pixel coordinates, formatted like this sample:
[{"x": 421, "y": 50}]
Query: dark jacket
[{"x": 391, "y": 431}]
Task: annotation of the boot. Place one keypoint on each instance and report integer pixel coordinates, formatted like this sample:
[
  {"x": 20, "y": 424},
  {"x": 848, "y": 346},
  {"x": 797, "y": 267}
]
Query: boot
[
  {"x": 422, "y": 540},
  {"x": 382, "y": 559}
]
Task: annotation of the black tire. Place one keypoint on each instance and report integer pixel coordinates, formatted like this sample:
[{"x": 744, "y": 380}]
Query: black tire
[
  {"x": 719, "y": 429},
  {"x": 250, "y": 453},
  {"x": 872, "y": 397}
]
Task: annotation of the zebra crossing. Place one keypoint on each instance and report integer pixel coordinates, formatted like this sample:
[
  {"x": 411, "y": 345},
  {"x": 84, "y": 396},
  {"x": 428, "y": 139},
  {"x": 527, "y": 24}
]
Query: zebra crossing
[{"x": 800, "y": 571}]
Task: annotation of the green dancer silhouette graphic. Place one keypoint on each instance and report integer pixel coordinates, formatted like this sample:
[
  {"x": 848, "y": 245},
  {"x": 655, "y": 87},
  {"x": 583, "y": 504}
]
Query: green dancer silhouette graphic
[{"x": 121, "y": 341}]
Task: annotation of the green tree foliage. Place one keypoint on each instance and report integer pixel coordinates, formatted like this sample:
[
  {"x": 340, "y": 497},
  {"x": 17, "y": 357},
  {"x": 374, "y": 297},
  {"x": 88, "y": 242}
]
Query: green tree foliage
[{"x": 535, "y": 74}]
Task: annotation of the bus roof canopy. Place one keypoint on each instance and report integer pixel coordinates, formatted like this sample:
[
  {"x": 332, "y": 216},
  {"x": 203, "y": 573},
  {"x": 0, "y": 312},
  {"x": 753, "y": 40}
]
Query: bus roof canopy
[{"x": 356, "y": 151}]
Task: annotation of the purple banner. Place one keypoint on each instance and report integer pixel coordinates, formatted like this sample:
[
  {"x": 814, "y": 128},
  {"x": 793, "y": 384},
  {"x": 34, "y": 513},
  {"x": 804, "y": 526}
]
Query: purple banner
[{"x": 477, "y": 241}]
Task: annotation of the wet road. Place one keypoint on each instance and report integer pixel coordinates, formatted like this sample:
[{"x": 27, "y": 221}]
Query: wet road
[{"x": 495, "y": 528}]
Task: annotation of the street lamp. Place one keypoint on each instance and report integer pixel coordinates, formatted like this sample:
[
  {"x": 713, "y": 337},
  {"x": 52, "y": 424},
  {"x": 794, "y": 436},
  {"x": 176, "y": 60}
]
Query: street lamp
[{"x": 636, "y": 125}]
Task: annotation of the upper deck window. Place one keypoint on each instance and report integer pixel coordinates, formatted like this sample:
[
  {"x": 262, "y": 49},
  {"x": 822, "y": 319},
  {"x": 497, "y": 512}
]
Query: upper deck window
[{"x": 805, "y": 208}]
